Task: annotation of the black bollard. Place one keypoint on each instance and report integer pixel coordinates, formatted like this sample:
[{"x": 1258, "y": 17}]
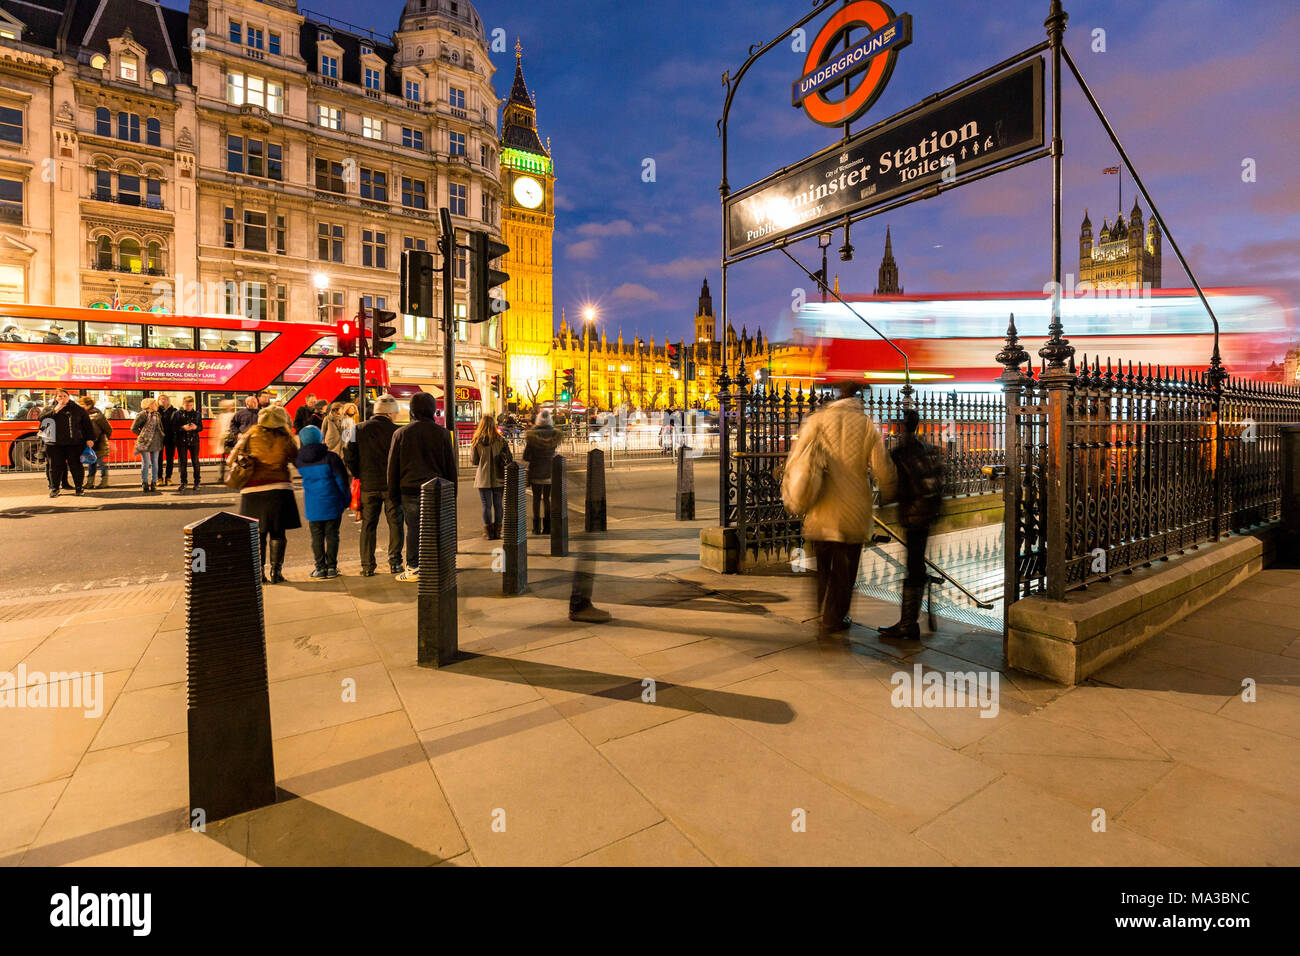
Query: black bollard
[
  {"x": 559, "y": 509},
  {"x": 1289, "y": 539},
  {"x": 595, "y": 500},
  {"x": 436, "y": 619},
  {"x": 514, "y": 535},
  {"x": 232, "y": 768},
  {"x": 685, "y": 485}
]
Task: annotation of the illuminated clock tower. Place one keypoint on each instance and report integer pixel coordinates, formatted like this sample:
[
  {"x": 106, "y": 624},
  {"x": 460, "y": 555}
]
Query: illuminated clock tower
[{"x": 528, "y": 224}]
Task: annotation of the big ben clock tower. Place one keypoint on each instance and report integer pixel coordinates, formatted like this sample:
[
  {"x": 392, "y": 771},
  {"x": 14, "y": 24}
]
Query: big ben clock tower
[{"x": 528, "y": 224}]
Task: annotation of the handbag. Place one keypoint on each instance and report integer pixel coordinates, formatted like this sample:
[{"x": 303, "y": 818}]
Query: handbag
[
  {"x": 240, "y": 470},
  {"x": 88, "y": 457},
  {"x": 801, "y": 484},
  {"x": 355, "y": 504}
]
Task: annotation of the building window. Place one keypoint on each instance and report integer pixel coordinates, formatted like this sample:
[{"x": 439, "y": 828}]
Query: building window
[
  {"x": 462, "y": 323},
  {"x": 329, "y": 175},
  {"x": 462, "y": 263},
  {"x": 413, "y": 90},
  {"x": 254, "y": 90},
  {"x": 279, "y": 235},
  {"x": 128, "y": 256},
  {"x": 456, "y": 143},
  {"x": 456, "y": 97},
  {"x": 254, "y": 38},
  {"x": 128, "y": 68},
  {"x": 128, "y": 127},
  {"x": 104, "y": 185},
  {"x": 374, "y": 184},
  {"x": 103, "y": 122},
  {"x": 236, "y": 32},
  {"x": 410, "y": 242},
  {"x": 487, "y": 207},
  {"x": 372, "y": 127},
  {"x": 329, "y": 242},
  {"x": 11, "y": 125},
  {"x": 329, "y": 66},
  {"x": 11, "y": 201},
  {"x": 228, "y": 227},
  {"x": 254, "y": 300},
  {"x": 128, "y": 189},
  {"x": 374, "y": 249},
  {"x": 153, "y": 259},
  {"x": 413, "y": 193},
  {"x": 274, "y": 47},
  {"x": 482, "y": 155},
  {"x": 412, "y": 138},
  {"x": 281, "y": 301},
  {"x": 417, "y": 328},
  {"x": 329, "y": 117},
  {"x": 153, "y": 193},
  {"x": 103, "y": 253},
  {"x": 458, "y": 194},
  {"x": 153, "y": 131},
  {"x": 254, "y": 231},
  {"x": 372, "y": 79},
  {"x": 330, "y": 306}
]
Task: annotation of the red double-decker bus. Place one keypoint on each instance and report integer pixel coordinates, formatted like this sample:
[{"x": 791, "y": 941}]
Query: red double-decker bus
[{"x": 121, "y": 358}]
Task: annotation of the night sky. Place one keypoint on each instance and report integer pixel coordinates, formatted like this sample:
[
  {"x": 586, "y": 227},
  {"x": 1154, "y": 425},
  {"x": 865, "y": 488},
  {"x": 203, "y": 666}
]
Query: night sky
[{"x": 1193, "y": 87}]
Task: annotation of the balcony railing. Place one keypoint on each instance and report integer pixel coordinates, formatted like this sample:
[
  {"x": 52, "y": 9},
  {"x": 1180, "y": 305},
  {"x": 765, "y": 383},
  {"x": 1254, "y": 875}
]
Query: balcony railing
[
  {"x": 127, "y": 199},
  {"x": 11, "y": 213},
  {"x": 116, "y": 267}
]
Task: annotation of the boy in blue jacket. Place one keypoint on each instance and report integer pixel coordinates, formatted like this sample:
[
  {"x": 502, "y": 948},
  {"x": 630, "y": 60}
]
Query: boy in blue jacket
[{"x": 325, "y": 496}]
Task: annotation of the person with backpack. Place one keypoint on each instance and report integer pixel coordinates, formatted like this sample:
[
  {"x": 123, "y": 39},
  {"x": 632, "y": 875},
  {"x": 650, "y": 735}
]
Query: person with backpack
[
  {"x": 325, "y": 495},
  {"x": 920, "y": 494},
  {"x": 827, "y": 479},
  {"x": 421, "y": 450}
]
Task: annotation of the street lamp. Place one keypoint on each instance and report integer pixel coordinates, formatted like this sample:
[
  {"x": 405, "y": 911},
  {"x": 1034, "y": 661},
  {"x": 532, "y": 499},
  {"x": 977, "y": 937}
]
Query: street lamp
[
  {"x": 824, "y": 240},
  {"x": 588, "y": 313}
]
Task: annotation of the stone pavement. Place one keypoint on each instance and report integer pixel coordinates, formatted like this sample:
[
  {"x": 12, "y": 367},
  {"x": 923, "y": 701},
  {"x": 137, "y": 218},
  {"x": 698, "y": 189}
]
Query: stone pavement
[{"x": 760, "y": 747}]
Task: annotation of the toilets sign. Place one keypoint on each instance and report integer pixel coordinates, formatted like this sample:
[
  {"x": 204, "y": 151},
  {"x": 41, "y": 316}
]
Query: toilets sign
[{"x": 825, "y": 67}]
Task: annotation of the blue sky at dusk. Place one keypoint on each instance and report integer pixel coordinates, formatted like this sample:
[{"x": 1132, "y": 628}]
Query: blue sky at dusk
[{"x": 1192, "y": 86}]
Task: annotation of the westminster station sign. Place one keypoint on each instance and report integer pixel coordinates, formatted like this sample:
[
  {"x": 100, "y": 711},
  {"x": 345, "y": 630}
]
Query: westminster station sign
[{"x": 976, "y": 127}]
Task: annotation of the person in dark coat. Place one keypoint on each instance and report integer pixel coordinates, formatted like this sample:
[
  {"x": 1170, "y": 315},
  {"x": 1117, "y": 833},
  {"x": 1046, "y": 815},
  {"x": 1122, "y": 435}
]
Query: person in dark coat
[
  {"x": 302, "y": 417},
  {"x": 421, "y": 450},
  {"x": 189, "y": 426},
  {"x": 103, "y": 431},
  {"x": 325, "y": 496},
  {"x": 540, "y": 443},
  {"x": 67, "y": 432},
  {"x": 167, "y": 414},
  {"x": 367, "y": 460},
  {"x": 246, "y": 417}
]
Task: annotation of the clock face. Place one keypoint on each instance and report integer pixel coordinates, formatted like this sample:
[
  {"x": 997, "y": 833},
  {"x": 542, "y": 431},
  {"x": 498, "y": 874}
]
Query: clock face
[{"x": 528, "y": 192}]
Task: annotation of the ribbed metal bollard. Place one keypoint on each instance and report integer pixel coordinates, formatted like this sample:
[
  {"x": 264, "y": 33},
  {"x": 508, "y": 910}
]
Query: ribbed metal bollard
[
  {"x": 232, "y": 768},
  {"x": 559, "y": 509},
  {"x": 1289, "y": 543},
  {"x": 436, "y": 619},
  {"x": 595, "y": 498},
  {"x": 514, "y": 533},
  {"x": 685, "y": 484}
]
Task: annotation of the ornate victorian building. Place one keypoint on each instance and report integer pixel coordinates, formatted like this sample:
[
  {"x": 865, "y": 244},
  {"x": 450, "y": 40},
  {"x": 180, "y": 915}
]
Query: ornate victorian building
[{"x": 1125, "y": 255}]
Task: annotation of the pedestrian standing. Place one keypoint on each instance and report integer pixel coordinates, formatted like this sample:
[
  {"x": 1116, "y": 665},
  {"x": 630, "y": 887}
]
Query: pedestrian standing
[
  {"x": 302, "y": 417},
  {"x": 920, "y": 468},
  {"x": 66, "y": 430},
  {"x": 148, "y": 428},
  {"x": 490, "y": 454},
  {"x": 102, "y": 431},
  {"x": 540, "y": 443},
  {"x": 367, "y": 460},
  {"x": 828, "y": 479},
  {"x": 268, "y": 494},
  {"x": 324, "y": 498},
  {"x": 167, "y": 414},
  {"x": 189, "y": 426},
  {"x": 332, "y": 428},
  {"x": 246, "y": 417},
  {"x": 421, "y": 450}
]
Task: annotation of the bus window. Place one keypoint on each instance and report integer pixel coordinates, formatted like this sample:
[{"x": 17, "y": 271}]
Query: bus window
[
  {"x": 212, "y": 401},
  {"x": 226, "y": 340},
  {"x": 266, "y": 338},
  {"x": 171, "y": 337},
  {"x": 37, "y": 331},
  {"x": 113, "y": 335},
  {"x": 326, "y": 345},
  {"x": 281, "y": 394},
  {"x": 119, "y": 405},
  {"x": 467, "y": 412},
  {"x": 24, "y": 404}
]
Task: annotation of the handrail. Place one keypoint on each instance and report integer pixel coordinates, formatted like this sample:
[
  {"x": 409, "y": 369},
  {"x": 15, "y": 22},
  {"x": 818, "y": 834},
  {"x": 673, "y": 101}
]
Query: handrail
[{"x": 983, "y": 605}]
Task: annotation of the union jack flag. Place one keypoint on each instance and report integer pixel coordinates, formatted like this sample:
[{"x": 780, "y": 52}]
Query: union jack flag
[{"x": 1110, "y": 171}]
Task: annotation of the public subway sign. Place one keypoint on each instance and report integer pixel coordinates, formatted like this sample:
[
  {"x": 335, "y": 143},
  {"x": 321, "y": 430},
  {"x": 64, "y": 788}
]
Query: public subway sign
[
  {"x": 825, "y": 67},
  {"x": 83, "y": 368},
  {"x": 981, "y": 125}
]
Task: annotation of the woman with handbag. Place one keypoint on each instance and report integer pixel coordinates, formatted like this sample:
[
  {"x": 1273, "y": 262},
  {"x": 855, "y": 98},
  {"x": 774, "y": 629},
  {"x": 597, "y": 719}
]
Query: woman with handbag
[
  {"x": 490, "y": 455},
  {"x": 148, "y": 429},
  {"x": 259, "y": 469}
]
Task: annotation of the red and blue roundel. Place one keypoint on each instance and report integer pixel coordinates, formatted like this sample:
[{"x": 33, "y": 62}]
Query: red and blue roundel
[{"x": 825, "y": 69}]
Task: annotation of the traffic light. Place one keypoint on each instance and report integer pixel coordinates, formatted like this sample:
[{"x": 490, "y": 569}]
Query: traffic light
[
  {"x": 486, "y": 297},
  {"x": 417, "y": 283},
  {"x": 567, "y": 386},
  {"x": 346, "y": 332},
  {"x": 383, "y": 333}
]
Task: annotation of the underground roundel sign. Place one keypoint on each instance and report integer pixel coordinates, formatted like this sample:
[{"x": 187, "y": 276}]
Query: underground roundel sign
[{"x": 830, "y": 63}]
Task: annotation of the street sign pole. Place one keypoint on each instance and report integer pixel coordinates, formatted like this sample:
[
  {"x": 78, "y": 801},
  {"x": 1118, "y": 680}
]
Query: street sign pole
[
  {"x": 362, "y": 348},
  {"x": 448, "y": 245}
]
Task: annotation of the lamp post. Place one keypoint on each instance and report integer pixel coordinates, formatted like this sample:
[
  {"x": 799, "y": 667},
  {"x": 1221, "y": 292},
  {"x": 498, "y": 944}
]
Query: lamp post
[
  {"x": 588, "y": 313},
  {"x": 824, "y": 240}
]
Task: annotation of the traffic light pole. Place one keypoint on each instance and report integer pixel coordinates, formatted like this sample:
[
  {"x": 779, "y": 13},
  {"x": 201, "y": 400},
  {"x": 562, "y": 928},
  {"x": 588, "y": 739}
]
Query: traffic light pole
[
  {"x": 448, "y": 245},
  {"x": 362, "y": 348}
]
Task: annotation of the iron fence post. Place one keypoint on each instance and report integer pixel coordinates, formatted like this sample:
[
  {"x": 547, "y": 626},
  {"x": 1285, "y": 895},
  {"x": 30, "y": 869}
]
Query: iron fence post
[{"x": 1011, "y": 358}]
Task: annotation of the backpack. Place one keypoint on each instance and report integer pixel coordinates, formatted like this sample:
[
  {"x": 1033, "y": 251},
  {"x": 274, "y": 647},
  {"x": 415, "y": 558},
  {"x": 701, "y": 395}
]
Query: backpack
[
  {"x": 921, "y": 468},
  {"x": 801, "y": 484}
]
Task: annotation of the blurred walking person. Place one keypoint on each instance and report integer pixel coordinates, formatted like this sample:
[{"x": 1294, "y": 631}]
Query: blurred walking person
[
  {"x": 489, "y": 455},
  {"x": 540, "y": 443},
  {"x": 267, "y": 494},
  {"x": 148, "y": 428},
  {"x": 828, "y": 480},
  {"x": 324, "y": 498},
  {"x": 421, "y": 450},
  {"x": 102, "y": 431},
  {"x": 188, "y": 427},
  {"x": 920, "y": 468},
  {"x": 367, "y": 460},
  {"x": 223, "y": 435},
  {"x": 332, "y": 427},
  {"x": 302, "y": 417}
]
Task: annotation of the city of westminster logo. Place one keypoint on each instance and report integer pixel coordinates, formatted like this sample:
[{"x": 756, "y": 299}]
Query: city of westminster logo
[{"x": 825, "y": 68}]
